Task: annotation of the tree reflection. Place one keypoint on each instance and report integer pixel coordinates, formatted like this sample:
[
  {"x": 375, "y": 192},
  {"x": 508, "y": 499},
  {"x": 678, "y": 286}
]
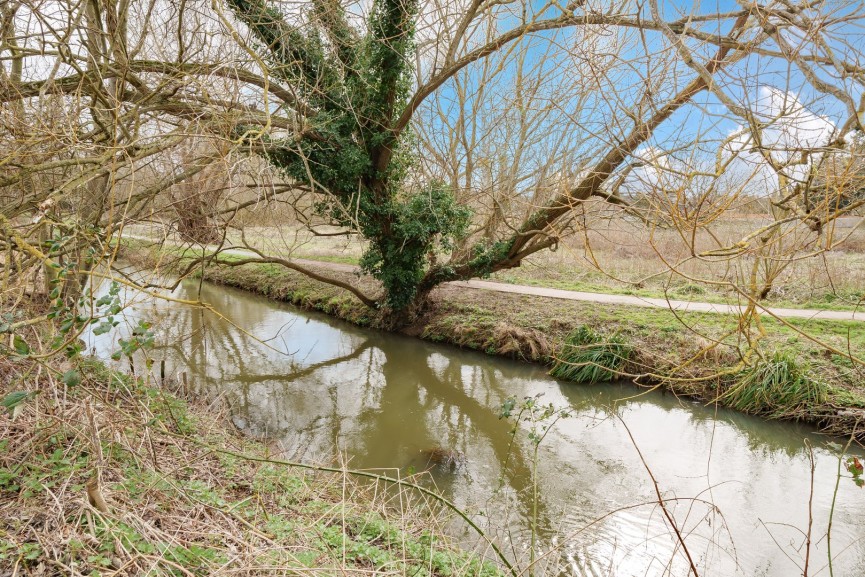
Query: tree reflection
[
  {"x": 381, "y": 404},
  {"x": 329, "y": 390}
]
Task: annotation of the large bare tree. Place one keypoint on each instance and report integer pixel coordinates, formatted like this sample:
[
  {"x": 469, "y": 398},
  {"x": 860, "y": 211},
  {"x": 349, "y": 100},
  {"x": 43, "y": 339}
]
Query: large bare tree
[
  {"x": 526, "y": 111},
  {"x": 457, "y": 138}
]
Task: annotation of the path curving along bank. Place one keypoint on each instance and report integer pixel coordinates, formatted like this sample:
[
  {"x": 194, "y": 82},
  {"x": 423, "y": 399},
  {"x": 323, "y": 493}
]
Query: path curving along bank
[{"x": 600, "y": 298}]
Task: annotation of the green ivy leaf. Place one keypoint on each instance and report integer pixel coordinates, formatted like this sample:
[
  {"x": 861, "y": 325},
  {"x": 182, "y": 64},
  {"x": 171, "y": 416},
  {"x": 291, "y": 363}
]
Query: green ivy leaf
[
  {"x": 21, "y": 346},
  {"x": 71, "y": 378},
  {"x": 73, "y": 349},
  {"x": 508, "y": 407},
  {"x": 13, "y": 402},
  {"x": 141, "y": 329},
  {"x": 102, "y": 328}
]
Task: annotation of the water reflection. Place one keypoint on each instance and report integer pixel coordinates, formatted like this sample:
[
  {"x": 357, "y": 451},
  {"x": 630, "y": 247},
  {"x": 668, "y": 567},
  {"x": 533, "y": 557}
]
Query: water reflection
[{"x": 326, "y": 389}]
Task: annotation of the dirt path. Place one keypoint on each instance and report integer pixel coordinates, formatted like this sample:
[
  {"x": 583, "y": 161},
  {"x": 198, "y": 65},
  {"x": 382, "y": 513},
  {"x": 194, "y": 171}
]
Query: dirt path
[
  {"x": 602, "y": 298},
  {"x": 689, "y": 306}
]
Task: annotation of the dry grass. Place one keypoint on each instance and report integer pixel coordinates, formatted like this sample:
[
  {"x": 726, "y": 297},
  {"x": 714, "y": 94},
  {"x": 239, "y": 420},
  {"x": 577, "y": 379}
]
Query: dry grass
[
  {"x": 116, "y": 477},
  {"x": 520, "y": 342},
  {"x": 622, "y": 256}
]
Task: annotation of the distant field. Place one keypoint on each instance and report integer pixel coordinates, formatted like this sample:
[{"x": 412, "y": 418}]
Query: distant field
[
  {"x": 629, "y": 259},
  {"x": 622, "y": 257}
]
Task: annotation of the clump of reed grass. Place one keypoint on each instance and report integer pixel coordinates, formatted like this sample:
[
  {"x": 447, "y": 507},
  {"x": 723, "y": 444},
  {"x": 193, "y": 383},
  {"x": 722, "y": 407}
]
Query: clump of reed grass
[
  {"x": 777, "y": 387},
  {"x": 589, "y": 357}
]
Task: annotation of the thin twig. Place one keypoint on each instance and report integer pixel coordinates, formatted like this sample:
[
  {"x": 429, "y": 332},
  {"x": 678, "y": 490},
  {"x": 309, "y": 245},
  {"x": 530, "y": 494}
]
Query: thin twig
[
  {"x": 661, "y": 499},
  {"x": 810, "y": 509}
]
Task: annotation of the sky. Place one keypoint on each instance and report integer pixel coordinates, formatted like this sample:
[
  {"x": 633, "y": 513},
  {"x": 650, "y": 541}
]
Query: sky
[
  {"x": 592, "y": 77},
  {"x": 777, "y": 92}
]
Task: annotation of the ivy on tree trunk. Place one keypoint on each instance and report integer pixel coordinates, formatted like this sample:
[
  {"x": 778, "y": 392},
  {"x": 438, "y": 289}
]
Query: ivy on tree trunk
[
  {"x": 358, "y": 85},
  {"x": 355, "y": 88}
]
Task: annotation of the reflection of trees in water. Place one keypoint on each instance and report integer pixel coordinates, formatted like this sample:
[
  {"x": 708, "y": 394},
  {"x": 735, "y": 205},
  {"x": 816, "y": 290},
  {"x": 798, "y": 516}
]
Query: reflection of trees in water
[
  {"x": 420, "y": 409},
  {"x": 380, "y": 404},
  {"x": 384, "y": 398},
  {"x": 213, "y": 348},
  {"x": 272, "y": 393}
]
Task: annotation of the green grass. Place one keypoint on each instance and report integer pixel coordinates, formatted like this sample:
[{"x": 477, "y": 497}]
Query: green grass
[
  {"x": 842, "y": 301},
  {"x": 339, "y": 259},
  {"x": 589, "y": 357},
  {"x": 777, "y": 387}
]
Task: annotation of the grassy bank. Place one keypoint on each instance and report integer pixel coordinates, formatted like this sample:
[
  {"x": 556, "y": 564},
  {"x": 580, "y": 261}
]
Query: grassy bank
[
  {"x": 700, "y": 355},
  {"x": 632, "y": 264},
  {"x": 111, "y": 476}
]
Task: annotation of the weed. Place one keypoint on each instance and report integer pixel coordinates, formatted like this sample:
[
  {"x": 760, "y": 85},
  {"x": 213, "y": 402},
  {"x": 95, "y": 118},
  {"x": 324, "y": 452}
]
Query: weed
[
  {"x": 690, "y": 289},
  {"x": 776, "y": 387},
  {"x": 539, "y": 419},
  {"x": 589, "y": 357}
]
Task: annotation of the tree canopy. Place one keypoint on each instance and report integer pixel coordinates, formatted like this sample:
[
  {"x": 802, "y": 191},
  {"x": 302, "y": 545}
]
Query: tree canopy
[{"x": 457, "y": 139}]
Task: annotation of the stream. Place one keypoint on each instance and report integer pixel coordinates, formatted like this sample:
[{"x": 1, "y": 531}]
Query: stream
[{"x": 737, "y": 486}]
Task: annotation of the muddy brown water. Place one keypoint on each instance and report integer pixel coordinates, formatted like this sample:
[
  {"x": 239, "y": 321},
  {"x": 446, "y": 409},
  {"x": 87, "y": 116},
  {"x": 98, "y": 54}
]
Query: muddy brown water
[{"x": 737, "y": 486}]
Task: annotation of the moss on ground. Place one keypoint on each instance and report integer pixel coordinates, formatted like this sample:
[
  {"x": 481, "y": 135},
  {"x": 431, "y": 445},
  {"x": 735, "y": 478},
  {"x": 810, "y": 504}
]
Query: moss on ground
[
  {"x": 115, "y": 477},
  {"x": 700, "y": 355}
]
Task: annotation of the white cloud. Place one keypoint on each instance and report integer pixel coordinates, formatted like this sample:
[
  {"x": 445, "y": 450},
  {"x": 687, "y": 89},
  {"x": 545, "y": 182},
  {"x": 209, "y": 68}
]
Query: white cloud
[
  {"x": 792, "y": 127},
  {"x": 655, "y": 173},
  {"x": 789, "y": 128}
]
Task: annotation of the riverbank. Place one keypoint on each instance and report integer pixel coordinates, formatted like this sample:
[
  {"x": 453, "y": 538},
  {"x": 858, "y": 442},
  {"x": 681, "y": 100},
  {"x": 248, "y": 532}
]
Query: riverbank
[
  {"x": 108, "y": 474},
  {"x": 617, "y": 257},
  {"x": 801, "y": 368}
]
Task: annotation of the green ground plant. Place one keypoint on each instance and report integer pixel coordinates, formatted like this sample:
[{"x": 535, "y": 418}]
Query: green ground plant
[
  {"x": 776, "y": 386},
  {"x": 590, "y": 357}
]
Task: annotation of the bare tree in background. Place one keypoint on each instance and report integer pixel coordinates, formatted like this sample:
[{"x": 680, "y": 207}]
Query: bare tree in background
[
  {"x": 457, "y": 139},
  {"x": 109, "y": 108}
]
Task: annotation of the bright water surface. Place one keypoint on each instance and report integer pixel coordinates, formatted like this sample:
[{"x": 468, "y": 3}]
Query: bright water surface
[{"x": 737, "y": 486}]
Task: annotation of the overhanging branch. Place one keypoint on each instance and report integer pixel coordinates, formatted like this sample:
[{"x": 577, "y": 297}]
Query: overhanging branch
[{"x": 265, "y": 259}]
